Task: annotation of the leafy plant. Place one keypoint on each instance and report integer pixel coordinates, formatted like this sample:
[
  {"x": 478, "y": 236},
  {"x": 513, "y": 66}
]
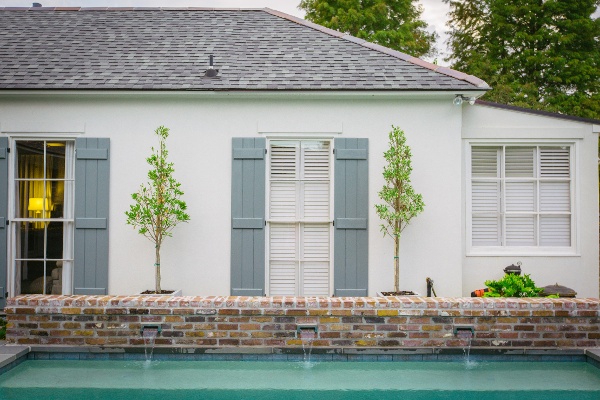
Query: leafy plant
[
  {"x": 2, "y": 329},
  {"x": 158, "y": 207},
  {"x": 401, "y": 202},
  {"x": 512, "y": 285}
]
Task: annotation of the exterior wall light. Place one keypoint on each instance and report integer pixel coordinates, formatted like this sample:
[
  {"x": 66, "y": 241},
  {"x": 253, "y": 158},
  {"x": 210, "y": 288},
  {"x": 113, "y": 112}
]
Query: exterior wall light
[{"x": 458, "y": 100}]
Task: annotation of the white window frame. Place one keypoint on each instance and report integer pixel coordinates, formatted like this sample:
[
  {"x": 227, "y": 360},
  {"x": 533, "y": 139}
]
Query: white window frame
[
  {"x": 299, "y": 137},
  {"x": 503, "y": 250},
  {"x": 68, "y": 245}
]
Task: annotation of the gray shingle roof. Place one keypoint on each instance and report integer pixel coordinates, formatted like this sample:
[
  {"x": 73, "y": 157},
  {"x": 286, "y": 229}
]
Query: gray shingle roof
[{"x": 168, "y": 49}]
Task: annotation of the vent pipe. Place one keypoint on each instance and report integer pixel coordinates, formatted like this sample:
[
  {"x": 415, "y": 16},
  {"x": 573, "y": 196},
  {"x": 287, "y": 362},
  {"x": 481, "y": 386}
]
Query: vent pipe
[{"x": 211, "y": 72}]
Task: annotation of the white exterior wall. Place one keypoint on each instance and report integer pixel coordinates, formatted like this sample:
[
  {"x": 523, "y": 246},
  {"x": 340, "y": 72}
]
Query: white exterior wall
[
  {"x": 197, "y": 258},
  {"x": 578, "y": 270}
]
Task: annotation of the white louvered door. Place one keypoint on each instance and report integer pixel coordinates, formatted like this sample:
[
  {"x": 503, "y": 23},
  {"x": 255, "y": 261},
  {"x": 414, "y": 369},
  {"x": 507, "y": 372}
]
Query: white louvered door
[
  {"x": 299, "y": 217},
  {"x": 521, "y": 196}
]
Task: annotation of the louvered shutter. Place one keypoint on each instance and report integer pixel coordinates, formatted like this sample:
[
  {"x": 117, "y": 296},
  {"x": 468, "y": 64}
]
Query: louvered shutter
[
  {"x": 92, "y": 172},
  {"x": 485, "y": 196},
  {"x": 248, "y": 217},
  {"x": 520, "y": 195},
  {"x": 351, "y": 217},
  {"x": 555, "y": 196},
  {"x": 3, "y": 216}
]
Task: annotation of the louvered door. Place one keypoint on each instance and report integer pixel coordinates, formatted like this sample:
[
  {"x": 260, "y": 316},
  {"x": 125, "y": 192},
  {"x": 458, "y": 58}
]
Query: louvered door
[{"x": 299, "y": 217}]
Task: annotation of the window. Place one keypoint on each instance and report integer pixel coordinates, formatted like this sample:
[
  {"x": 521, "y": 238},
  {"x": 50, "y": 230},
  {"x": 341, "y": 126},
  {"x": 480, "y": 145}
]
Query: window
[
  {"x": 521, "y": 196},
  {"x": 42, "y": 216},
  {"x": 299, "y": 217}
]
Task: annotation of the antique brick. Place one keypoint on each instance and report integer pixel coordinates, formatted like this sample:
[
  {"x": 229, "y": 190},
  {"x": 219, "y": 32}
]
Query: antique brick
[
  {"x": 173, "y": 318},
  {"x": 229, "y": 342},
  {"x": 160, "y": 311},
  {"x": 71, "y": 325},
  {"x": 431, "y": 327},
  {"x": 227, "y": 327},
  {"x": 524, "y": 327},
  {"x": 71, "y": 310},
  {"x": 387, "y": 313},
  {"x": 237, "y": 334},
  {"x": 195, "y": 334},
  {"x": 339, "y": 327},
  {"x": 366, "y": 343},
  {"x": 249, "y": 327},
  {"x": 95, "y": 341},
  {"x": 261, "y": 334},
  {"x": 229, "y": 311},
  {"x": 368, "y": 328}
]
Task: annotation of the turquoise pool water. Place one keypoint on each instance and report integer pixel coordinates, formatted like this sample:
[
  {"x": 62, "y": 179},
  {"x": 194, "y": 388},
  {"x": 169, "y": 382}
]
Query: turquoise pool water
[{"x": 208, "y": 380}]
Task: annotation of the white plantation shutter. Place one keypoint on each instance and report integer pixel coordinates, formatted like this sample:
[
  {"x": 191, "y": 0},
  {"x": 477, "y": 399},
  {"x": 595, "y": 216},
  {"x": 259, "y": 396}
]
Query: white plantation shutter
[
  {"x": 315, "y": 259},
  {"x": 521, "y": 196},
  {"x": 555, "y": 196},
  {"x": 300, "y": 215},
  {"x": 485, "y": 196},
  {"x": 283, "y": 240}
]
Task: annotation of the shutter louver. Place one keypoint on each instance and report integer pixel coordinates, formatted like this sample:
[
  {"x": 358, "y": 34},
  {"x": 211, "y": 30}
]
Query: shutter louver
[
  {"x": 555, "y": 230},
  {"x": 518, "y": 162},
  {"x": 520, "y": 230},
  {"x": 555, "y": 162}
]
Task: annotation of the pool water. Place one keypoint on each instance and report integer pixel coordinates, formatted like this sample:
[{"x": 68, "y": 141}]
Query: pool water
[{"x": 208, "y": 380}]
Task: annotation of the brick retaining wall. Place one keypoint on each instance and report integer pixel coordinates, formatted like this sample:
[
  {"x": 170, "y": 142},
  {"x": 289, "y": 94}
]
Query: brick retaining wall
[{"x": 342, "y": 322}]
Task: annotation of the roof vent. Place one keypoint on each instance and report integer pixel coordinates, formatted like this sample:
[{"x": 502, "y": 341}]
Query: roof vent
[
  {"x": 37, "y": 4},
  {"x": 211, "y": 72}
]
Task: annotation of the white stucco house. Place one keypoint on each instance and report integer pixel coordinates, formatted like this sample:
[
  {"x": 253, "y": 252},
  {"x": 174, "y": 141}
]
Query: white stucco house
[{"x": 280, "y": 157}]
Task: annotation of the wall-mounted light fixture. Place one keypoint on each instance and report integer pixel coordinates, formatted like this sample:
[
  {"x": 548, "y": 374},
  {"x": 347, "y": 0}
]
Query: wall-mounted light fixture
[{"x": 458, "y": 100}]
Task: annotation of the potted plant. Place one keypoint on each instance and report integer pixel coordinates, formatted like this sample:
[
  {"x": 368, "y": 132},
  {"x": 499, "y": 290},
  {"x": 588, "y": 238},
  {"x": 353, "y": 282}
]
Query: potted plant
[
  {"x": 157, "y": 206},
  {"x": 401, "y": 203}
]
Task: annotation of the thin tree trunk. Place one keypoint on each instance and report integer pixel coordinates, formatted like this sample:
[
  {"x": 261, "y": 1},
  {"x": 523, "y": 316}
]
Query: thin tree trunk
[
  {"x": 157, "y": 266},
  {"x": 397, "y": 263}
]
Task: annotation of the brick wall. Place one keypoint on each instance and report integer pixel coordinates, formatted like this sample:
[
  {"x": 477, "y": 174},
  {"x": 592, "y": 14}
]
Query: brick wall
[{"x": 360, "y": 322}]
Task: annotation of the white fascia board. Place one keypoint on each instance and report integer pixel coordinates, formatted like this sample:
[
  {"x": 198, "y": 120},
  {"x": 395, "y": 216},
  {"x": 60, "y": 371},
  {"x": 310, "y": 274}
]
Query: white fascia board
[{"x": 400, "y": 94}]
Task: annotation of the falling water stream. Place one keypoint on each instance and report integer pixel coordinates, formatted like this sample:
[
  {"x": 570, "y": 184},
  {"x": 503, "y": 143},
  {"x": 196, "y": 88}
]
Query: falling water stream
[
  {"x": 149, "y": 335},
  {"x": 307, "y": 336}
]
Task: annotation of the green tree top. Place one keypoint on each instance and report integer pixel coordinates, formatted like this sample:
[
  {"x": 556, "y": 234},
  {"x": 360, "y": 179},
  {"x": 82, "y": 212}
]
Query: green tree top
[
  {"x": 535, "y": 54},
  {"x": 391, "y": 23}
]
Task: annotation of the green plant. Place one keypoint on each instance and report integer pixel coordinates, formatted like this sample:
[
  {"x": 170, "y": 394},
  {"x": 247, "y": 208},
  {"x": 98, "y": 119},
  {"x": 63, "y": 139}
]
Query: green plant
[
  {"x": 158, "y": 207},
  {"x": 2, "y": 329},
  {"x": 512, "y": 285},
  {"x": 401, "y": 202}
]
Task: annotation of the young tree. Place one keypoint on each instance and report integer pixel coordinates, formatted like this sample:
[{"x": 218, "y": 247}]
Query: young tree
[
  {"x": 536, "y": 54},
  {"x": 401, "y": 202},
  {"x": 391, "y": 23},
  {"x": 158, "y": 207}
]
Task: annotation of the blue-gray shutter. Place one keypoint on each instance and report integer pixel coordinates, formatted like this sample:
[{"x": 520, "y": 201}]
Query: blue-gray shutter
[
  {"x": 248, "y": 217},
  {"x": 3, "y": 217},
  {"x": 92, "y": 170},
  {"x": 350, "y": 238}
]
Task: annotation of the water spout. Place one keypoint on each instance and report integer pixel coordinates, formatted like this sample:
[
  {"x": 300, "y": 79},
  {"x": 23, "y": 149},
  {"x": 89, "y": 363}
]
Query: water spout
[
  {"x": 465, "y": 333},
  {"x": 307, "y": 334},
  {"x": 149, "y": 333}
]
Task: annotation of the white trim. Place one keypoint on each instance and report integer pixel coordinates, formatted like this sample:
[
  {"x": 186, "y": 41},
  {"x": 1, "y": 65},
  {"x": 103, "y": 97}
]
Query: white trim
[
  {"x": 12, "y": 275},
  {"x": 478, "y": 251}
]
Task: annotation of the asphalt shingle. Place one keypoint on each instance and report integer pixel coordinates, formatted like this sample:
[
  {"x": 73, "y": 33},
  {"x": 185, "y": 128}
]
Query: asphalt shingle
[{"x": 168, "y": 49}]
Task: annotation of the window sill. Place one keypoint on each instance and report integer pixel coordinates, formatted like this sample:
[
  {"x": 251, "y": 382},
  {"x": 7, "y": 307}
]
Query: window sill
[{"x": 522, "y": 252}]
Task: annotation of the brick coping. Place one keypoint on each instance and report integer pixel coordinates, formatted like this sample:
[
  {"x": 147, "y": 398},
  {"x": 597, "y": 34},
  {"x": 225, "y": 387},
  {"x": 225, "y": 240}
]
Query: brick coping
[{"x": 307, "y": 302}]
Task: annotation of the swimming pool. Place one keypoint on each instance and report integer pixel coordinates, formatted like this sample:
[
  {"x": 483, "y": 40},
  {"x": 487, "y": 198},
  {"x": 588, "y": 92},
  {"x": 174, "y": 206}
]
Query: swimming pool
[{"x": 248, "y": 380}]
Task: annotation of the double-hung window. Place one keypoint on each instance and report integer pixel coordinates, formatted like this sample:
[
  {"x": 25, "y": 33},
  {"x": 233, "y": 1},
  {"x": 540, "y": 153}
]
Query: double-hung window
[
  {"x": 521, "y": 196},
  {"x": 299, "y": 215}
]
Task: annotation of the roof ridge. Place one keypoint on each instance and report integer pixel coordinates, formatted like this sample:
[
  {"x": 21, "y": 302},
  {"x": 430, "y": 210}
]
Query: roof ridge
[
  {"x": 128, "y": 9},
  {"x": 480, "y": 83}
]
